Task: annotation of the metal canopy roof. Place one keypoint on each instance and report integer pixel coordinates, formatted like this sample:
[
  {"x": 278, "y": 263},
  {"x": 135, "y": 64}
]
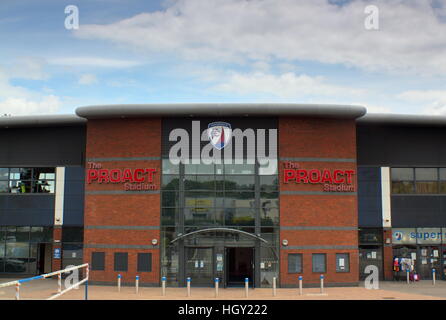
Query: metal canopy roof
[
  {"x": 221, "y": 109},
  {"x": 389, "y": 119},
  {"x": 41, "y": 121}
]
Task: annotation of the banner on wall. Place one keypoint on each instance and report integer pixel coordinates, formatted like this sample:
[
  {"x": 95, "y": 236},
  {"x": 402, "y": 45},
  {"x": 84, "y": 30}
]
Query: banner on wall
[{"x": 417, "y": 236}]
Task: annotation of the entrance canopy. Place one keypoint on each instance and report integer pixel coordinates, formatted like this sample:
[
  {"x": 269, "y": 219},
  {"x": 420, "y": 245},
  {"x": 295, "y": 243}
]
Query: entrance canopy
[{"x": 219, "y": 230}]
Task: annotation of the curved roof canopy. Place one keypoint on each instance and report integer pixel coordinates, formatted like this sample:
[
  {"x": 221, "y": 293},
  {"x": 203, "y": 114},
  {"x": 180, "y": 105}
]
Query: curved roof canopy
[
  {"x": 217, "y": 229},
  {"x": 221, "y": 109},
  {"x": 389, "y": 119},
  {"x": 41, "y": 121}
]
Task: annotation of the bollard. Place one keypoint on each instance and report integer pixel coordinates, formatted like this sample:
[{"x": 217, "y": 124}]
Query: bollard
[
  {"x": 407, "y": 276},
  {"x": 216, "y": 287},
  {"x": 163, "y": 284},
  {"x": 86, "y": 282},
  {"x": 59, "y": 283},
  {"x": 274, "y": 287},
  {"x": 433, "y": 277},
  {"x": 322, "y": 283},
  {"x": 300, "y": 285},
  {"x": 137, "y": 284},
  {"x": 119, "y": 283},
  {"x": 86, "y": 290},
  {"x": 188, "y": 286},
  {"x": 17, "y": 291},
  {"x": 246, "y": 287}
]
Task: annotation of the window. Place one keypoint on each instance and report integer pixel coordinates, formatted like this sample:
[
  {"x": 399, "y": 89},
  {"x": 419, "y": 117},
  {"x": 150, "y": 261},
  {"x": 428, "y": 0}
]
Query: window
[
  {"x": 226, "y": 194},
  {"x": 442, "y": 183},
  {"x": 27, "y": 180},
  {"x": 370, "y": 236},
  {"x": 98, "y": 261},
  {"x": 426, "y": 180},
  {"x": 72, "y": 234},
  {"x": 418, "y": 180},
  {"x": 121, "y": 261},
  {"x": 319, "y": 262},
  {"x": 144, "y": 262},
  {"x": 402, "y": 180},
  {"x": 342, "y": 262},
  {"x": 295, "y": 263}
]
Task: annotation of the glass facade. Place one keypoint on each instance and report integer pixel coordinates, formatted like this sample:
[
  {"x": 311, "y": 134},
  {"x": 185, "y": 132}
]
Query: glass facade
[
  {"x": 27, "y": 180},
  {"x": 236, "y": 197},
  {"x": 418, "y": 180},
  {"x": 20, "y": 248}
]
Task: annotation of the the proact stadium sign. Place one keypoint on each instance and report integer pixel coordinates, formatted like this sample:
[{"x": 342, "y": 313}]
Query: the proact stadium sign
[
  {"x": 333, "y": 180},
  {"x": 133, "y": 179}
]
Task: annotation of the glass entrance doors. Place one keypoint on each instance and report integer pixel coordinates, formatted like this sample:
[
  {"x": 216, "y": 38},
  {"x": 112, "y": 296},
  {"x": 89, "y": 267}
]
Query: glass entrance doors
[
  {"x": 200, "y": 266},
  {"x": 239, "y": 265},
  {"x": 429, "y": 258},
  {"x": 203, "y": 265}
]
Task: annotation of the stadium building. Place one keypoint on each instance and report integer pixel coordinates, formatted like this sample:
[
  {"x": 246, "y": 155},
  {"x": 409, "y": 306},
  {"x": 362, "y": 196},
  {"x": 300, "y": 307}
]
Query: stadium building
[{"x": 223, "y": 190}]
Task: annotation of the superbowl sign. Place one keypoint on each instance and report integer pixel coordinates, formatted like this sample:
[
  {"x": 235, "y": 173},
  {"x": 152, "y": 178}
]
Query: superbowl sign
[{"x": 220, "y": 134}]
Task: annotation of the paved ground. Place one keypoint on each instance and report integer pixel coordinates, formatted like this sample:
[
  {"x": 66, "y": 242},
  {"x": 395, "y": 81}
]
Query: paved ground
[
  {"x": 42, "y": 289},
  {"x": 424, "y": 287}
]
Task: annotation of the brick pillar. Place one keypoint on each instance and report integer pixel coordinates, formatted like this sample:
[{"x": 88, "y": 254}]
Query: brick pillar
[
  {"x": 387, "y": 254},
  {"x": 56, "y": 264}
]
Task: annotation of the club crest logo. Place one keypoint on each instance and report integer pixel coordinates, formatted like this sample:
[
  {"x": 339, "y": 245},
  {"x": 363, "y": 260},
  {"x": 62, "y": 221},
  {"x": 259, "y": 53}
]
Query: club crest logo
[
  {"x": 398, "y": 235},
  {"x": 220, "y": 134}
]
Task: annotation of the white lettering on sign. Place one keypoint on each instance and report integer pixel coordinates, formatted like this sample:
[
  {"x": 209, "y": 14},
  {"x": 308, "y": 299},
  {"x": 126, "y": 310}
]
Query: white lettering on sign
[{"x": 230, "y": 150}]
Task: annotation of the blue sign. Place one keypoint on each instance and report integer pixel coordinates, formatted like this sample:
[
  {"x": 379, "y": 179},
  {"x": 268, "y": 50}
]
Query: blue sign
[{"x": 57, "y": 253}]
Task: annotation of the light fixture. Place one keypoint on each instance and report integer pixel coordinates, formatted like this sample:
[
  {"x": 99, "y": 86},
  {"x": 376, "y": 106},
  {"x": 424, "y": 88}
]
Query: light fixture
[
  {"x": 285, "y": 242},
  {"x": 154, "y": 242}
]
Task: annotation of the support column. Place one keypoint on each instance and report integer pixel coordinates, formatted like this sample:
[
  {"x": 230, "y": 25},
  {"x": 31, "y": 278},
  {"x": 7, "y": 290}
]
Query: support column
[
  {"x": 56, "y": 261},
  {"x": 56, "y": 254},
  {"x": 387, "y": 222}
]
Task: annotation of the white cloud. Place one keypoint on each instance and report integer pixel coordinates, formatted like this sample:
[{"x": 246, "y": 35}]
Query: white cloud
[
  {"x": 373, "y": 108},
  {"x": 28, "y": 68},
  {"x": 432, "y": 101},
  {"x": 23, "y": 106},
  {"x": 286, "y": 85},
  {"x": 93, "y": 62},
  {"x": 410, "y": 37},
  {"x": 87, "y": 79},
  {"x": 16, "y": 100}
]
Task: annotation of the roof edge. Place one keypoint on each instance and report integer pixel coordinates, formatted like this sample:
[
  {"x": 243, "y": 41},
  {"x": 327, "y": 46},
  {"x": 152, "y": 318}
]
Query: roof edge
[
  {"x": 50, "y": 120},
  {"x": 220, "y": 109},
  {"x": 396, "y": 119}
]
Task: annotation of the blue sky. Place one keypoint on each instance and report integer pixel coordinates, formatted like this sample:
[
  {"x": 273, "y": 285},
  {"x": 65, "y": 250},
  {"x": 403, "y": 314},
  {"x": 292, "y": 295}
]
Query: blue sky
[{"x": 303, "y": 51}]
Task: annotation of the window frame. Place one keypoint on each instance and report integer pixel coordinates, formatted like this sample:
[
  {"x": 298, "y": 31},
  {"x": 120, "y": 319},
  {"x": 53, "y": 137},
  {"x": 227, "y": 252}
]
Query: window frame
[
  {"x": 313, "y": 264},
  {"x": 301, "y": 263},
  {"x": 347, "y": 263},
  {"x": 102, "y": 253},
  {"x": 115, "y": 267},
  {"x": 439, "y": 182},
  {"x": 150, "y": 256},
  {"x": 31, "y": 182}
]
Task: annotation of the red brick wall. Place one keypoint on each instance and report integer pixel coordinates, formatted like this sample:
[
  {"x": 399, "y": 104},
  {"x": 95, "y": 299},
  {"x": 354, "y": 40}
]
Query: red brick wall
[
  {"x": 123, "y": 138},
  {"x": 388, "y": 255},
  {"x": 309, "y": 139},
  {"x": 56, "y": 264}
]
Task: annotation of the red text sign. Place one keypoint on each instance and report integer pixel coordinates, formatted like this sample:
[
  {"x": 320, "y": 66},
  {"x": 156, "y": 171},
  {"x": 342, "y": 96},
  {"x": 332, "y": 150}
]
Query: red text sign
[
  {"x": 333, "y": 180},
  {"x": 134, "y": 179}
]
